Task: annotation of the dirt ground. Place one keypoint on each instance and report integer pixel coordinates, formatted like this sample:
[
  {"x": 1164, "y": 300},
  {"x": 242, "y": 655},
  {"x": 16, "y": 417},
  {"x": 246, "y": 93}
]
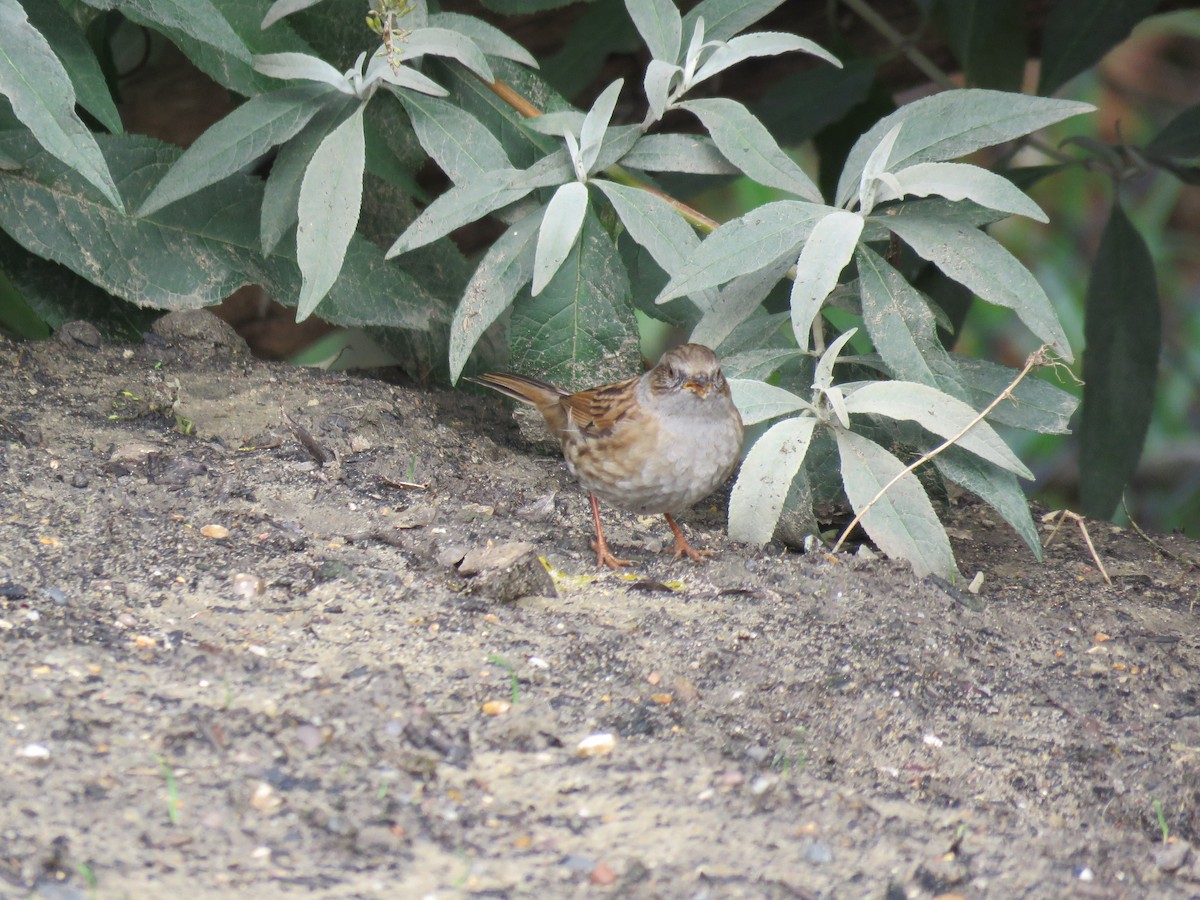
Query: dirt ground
[{"x": 230, "y": 669}]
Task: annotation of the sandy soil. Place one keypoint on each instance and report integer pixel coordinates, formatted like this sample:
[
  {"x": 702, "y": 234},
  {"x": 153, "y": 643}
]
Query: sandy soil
[{"x": 230, "y": 669}]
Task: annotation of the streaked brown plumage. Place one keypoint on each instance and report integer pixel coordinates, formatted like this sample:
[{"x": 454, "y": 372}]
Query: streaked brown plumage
[{"x": 656, "y": 443}]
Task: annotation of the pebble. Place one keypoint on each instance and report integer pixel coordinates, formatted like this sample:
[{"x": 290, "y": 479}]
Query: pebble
[{"x": 600, "y": 744}]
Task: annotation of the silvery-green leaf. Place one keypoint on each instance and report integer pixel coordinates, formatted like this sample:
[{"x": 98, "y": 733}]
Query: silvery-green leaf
[
  {"x": 657, "y": 85},
  {"x": 875, "y": 167},
  {"x": 282, "y": 8},
  {"x": 826, "y": 252},
  {"x": 237, "y": 140},
  {"x": 760, "y": 364},
  {"x": 746, "y": 143},
  {"x": 996, "y": 487},
  {"x": 618, "y": 141},
  {"x": 837, "y": 402},
  {"x": 490, "y": 39},
  {"x": 738, "y": 301},
  {"x": 410, "y": 79},
  {"x": 595, "y": 123},
  {"x": 652, "y": 222},
  {"x": 457, "y": 141},
  {"x": 761, "y": 43},
  {"x": 952, "y": 124},
  {"x": 463, "y": 203},
  {"x": 973, "y": 259},
  {"x": 902, "y": 326},
  {"x": 198, "y": 19},
  {"x": 725, "y": 18},
  {"x": 745, "y": 244},
  {"x": 71, "y": 46},
  {"x": 576, "y": 157},
  {"x": 660, "y": 26},
  {"x": 959, "y": 181},
  {"x": 1036, "y": 404},
  {"x": 765, "y": 477},
  {"x": 758, "y": 401},
  {"x": 937, "y": 412},
  {"x": 823, "y": 374},
  {"x": 436, "y": 41},
  {"x": 330, "y": 200},
  {"x": 555, "y": 123},
  {"x": 504, "y": 270},
  {"x": 281, "y": 194},
  {"x": 43, "y": 99},
  {"x": 694, "y": 154},
  {"x": 559, "y": 230},
  {"x": 301, "y": 67},
  {"x": 903, "y": 522}
]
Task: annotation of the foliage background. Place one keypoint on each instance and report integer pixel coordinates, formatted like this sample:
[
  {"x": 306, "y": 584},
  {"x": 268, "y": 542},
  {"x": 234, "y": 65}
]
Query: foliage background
[{"x": 891, "y": 50}]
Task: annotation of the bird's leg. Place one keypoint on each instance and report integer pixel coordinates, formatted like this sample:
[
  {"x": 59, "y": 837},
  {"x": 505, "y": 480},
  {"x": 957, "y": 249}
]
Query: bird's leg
[
  {"x": 682, "y": 547},
  {"x": 603, "y": 556}
]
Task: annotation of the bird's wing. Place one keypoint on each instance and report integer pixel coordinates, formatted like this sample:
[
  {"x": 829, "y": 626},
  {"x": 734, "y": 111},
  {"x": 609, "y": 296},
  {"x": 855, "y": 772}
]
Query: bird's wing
[{"x": 597, "y": 410}]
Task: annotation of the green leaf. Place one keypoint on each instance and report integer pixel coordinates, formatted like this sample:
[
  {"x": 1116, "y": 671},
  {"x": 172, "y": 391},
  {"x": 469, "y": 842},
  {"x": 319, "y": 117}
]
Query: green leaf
[
  {"x": 738, "y": 301},
  {"x": 652, "y": 222},
  {"x": 758, "y": 401},
  {"x": 504, "y": 270},
  {"x": 746, "y": 143},
  {"x": 660, "y": 26},
  {"x": 37, "y": 86},
  {"x": 1036, "y": 404},
  {"x": 230, "y": 71},
  {"x": 996, "y": 487},
  {"x": 691, "y": 153},
  {"x": 330, "y": 200},
  {"x": 1180, "y": 137},
  {"x": 934, "y": 411},
  {"x": 524, "y": 7},
  {"x": 53, "y": 295},
  {"x": 445, "y": 42},
  {"x": 72, "y": 47},
  {"x": 988, "y": 38},
  {"x": 952, "y": 124},
  {"x": 239, "y": 139},
  {"x": 826, "y": 252},
  {"x": 301, "y": 67},
  {"x": 581, "y": 327},
  {"x": 972, "y": 258},
  {"x": 902, "y": 327},
  {"x": 560, "y": 227},
  {"x": 462, "y": 204},
  {"x": 193, "y": 253},
  {"x": 746, "y": 244},
  {"x": 198, "y": 19},
  {"x": 280, "y": 9},
  {"x": 1123, "y": 341},
  {"x": 281, "y": 195},
  {"x": 1078, "y": 32},
  {"x": 756, "y": 501},
  {"x": 903, "y": 522},
  {"x": 725, "y": 18},
  {"x": 457, "y": 141},
  {"x": 760, "y": 364},
  {"x": 490, "y": 39}
]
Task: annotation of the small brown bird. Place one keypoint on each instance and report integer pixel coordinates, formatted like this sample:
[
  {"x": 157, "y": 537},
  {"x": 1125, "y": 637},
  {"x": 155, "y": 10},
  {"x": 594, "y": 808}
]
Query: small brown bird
[{"x": 656, "y": 443}]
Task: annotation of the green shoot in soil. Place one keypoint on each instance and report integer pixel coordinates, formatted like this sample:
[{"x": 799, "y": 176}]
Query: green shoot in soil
[
  {"x": 514, "y": 683},
  {"x": 172, "y": 790}
]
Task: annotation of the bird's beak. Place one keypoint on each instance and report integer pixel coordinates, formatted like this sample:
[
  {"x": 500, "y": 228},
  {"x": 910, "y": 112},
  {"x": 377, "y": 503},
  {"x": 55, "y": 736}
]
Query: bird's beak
[{"x": 699, "y": 388}]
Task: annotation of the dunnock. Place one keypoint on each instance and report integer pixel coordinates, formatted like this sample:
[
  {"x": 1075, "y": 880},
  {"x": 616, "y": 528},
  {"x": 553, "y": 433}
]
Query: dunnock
[{"x": 656, "y": 443}]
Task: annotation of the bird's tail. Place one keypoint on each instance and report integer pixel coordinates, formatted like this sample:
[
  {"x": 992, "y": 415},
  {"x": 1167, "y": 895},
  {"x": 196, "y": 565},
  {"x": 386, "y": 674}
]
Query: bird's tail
[{"x": 521, "y": 388}]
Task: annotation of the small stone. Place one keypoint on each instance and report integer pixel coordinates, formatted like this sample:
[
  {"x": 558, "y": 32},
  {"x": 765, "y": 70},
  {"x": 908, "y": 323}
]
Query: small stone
[
  {"x": 199, "y": 326},
  {"x": 451, "y": 556},
  {"x": 216, "y": 532},
  {"x": 79, "y": 332},
  {"x": 264, "y": 799},
  {"x": 419, "y": 516},
  {"x": 35, "y": 752},
  {"x": 1172, "y": 856},
  {"x": 600, "y": 744},
  {"x": 246, "y": 585},
  {"x": 496, "y": 707},
  {"x": 602, "y": 874},
  {"x": 80, "y": 480},
  {"x": 507, "y": 572}
]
